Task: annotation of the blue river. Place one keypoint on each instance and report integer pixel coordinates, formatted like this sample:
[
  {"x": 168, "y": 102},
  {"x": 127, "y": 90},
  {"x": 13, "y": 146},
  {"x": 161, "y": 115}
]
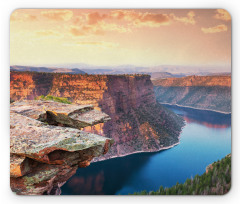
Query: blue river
[{"x": 205, "y": 138}]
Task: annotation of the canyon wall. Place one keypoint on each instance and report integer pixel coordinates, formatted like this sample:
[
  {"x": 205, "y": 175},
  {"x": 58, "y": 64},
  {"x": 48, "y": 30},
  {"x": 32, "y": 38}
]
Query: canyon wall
[
  {"x": 138, "y": 123},
  {"x": 221, "y": 80},
  {"x": 201, "y": 92}
]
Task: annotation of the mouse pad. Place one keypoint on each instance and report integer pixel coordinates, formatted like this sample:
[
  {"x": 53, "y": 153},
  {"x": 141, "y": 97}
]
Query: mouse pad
[{"x": 120, "y": 101}]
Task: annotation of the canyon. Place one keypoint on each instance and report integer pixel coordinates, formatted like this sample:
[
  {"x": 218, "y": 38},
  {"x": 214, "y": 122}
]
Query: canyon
[
  {"x": 138, "y": 123},
  {"x": 200, "y": 92}
]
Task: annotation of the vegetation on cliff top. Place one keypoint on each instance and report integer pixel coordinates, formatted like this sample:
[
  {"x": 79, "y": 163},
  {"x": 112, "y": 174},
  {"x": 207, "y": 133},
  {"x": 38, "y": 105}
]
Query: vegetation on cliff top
[
  {"x": 53, "y": 98},
  {"x": 215, "y": 181}
]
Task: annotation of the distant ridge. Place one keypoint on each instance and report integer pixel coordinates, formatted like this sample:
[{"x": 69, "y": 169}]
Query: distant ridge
[
  {"x": 211, "y": 80},
  {"x": 47, "y": 69},
  {"x": 161, "y": 75},
  {"x": 200, "y": 92},
  {"x": 156, "y": 73}
]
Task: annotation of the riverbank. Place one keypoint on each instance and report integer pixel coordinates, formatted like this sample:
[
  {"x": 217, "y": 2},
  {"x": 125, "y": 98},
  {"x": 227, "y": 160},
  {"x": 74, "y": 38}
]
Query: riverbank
[
  {"x": 137, "y": 152},
  {"x": 190, "y": 107},
  {"x": 144, "y": 151}
]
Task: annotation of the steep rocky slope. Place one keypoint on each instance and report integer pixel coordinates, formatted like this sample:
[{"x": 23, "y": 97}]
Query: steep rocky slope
[
  {"x": 202, "y": 92},
  {"x": 138, "y": 123},
  {"x": 44, "y": 155}
]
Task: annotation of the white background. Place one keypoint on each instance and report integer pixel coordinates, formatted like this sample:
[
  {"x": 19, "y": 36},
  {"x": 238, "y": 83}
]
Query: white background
[{"x": 7, "y": 6}]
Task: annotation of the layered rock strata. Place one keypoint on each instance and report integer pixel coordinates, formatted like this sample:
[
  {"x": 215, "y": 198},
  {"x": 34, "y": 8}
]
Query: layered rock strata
[
  {"x": 200, "y": 92},
  {"x": 42, "y": 156},
  {"x": 138, "y": 123}
]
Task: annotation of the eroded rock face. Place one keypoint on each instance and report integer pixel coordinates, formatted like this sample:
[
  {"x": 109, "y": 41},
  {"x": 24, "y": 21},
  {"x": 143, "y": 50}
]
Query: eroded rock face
[
  {"x": 201, "y": 92},
  {"x": 220, "y": 80},
  {"x": 43, "y": 157},
  {"x": 138, "y": 123}
]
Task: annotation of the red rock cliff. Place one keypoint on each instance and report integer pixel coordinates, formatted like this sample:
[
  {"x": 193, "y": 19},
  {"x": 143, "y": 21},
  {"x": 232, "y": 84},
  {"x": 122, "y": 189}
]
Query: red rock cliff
[
  {"x": 137, "y": 123},
  {"x": 201, "y": 92},
  {"x": 195, "y": 81}
]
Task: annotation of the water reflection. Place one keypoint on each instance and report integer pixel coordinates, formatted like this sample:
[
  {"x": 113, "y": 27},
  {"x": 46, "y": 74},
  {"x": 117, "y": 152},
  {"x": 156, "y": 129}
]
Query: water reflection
[
  {"x": 205, "y": 138},
  {"x": 207, "y": 118},
  {"x": 105, "y": 177}
]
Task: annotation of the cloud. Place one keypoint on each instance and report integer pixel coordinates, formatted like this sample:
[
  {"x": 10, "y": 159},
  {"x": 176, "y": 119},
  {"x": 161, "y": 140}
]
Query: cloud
[
  {"x": 100, "y": 44},
  {"x": 222, "y": 15},
  {"x": 30, "y": 17},
  {"x": 216, "y": 29},
  {"x": 123, "y": 21},
  {"x": 152, "y": 20},
  {"x": 86, "y": 30},
  {"x": 112, "y": 27},
  {"x": 22, "y": 18},
  {"x": 76, "y": 31},
  {"x": 189, "y": 19},
  {"x": 47, "y": 33},
  {"x": 95, "y": 17},
  {"x": 140, "y": 19},
  {"x": 97, "y": 29},
  {"x": 79, "y": 20},
  {"x": 58, "y": 15}
]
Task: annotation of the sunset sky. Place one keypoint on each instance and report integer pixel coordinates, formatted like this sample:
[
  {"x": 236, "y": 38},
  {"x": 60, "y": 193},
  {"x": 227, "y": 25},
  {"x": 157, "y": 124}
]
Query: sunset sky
[{"x": 110, "y": 37}]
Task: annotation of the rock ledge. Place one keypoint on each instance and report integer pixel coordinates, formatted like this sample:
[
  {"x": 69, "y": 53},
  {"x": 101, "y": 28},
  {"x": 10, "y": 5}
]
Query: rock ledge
[{"x": 47, "y": 145}]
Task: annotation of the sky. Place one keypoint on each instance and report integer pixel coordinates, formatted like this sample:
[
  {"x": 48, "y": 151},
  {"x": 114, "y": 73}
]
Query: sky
[{"x": 111, "y": 37}]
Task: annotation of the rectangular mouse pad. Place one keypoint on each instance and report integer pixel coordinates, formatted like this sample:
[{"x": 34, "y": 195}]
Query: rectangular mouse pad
[{"x": 120, "y": 101}]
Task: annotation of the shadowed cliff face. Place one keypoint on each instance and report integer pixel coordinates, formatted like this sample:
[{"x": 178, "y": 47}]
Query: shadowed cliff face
[
  {"x": 138, "y": 123},
  {"x": 202, "y": 92}
]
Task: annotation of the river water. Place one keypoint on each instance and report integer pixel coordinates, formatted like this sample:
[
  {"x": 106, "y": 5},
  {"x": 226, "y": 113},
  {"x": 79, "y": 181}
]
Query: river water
[{"x": 205, "y": 139}]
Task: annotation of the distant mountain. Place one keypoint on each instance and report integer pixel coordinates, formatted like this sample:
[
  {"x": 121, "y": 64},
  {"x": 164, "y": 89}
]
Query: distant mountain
[
  {"x": 103, "y": 71},
  {"x": 154, "y": 75},
  {"x": 218, "y": 74},
  {"x": 158, "y": 72},
  {"x": 162, "y": 75},
  {"x": 47, "y": 69}
]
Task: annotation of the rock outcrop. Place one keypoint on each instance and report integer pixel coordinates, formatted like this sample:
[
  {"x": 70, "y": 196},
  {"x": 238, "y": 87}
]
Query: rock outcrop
[
  {"x": 138, "y": 123},
  {"x": 46, "y": 145},
  {"x": 201, "y": 92}
]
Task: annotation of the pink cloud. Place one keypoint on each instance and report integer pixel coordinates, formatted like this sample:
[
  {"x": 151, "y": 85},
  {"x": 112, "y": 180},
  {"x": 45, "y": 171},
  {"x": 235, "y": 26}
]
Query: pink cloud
[
  {"x": 215, "y": 29},
  {"x": 58, "y": 15},
  {"x": 222, "y": 15}
]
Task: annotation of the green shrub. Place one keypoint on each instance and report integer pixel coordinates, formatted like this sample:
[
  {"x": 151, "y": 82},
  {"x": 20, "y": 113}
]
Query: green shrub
[{"x": 53, "y": 98}]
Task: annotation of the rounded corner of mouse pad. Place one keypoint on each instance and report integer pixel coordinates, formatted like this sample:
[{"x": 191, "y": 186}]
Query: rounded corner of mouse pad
[{"x": 120, "y": 101}]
